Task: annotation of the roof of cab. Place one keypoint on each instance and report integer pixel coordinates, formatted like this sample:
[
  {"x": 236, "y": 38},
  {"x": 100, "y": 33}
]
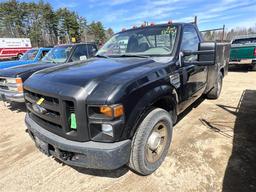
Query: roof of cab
[
  {"x": 157, "y": 25},
  {"x": 75, "y": 44}
]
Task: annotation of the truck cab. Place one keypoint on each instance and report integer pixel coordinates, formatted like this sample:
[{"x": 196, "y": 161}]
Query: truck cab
[
  {"x": 32, "y": 56},
  {"x": 120, "y": 107}
]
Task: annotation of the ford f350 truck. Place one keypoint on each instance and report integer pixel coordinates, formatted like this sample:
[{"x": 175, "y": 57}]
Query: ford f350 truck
[
  {"x": 120, "y": 107},
  {"x": 243, "y": 51}
]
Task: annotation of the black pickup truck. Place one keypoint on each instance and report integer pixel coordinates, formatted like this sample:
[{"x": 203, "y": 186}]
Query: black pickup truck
[
  {"x": 120, "y": 107},
  {"x": 12, "y": 79}
]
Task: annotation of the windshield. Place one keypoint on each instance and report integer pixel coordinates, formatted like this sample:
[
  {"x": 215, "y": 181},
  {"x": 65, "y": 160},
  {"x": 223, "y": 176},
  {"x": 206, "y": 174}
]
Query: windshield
[
  {"x": 58, "y": 54},
  {"x": 29, "y": 55},
  {"x": 148, "y": 41}
]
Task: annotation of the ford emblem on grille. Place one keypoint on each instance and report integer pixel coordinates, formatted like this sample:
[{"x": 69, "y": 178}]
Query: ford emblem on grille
[{"x": 37, "y": 108}]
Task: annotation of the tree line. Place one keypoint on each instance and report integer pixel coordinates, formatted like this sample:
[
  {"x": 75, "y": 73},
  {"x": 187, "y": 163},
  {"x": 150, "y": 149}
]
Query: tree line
[
  {"x": 228, "y": 35},
  {"x": 46, "y": 26}
]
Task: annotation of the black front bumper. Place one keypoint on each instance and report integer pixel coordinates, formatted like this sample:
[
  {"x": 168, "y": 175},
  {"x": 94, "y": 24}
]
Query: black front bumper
[{"x": 89, "y": 154}]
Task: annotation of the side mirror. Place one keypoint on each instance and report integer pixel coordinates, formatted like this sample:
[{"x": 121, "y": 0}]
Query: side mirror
[
  {"x": 206, "y": 54},
  {"x": 83, "y": 58}
]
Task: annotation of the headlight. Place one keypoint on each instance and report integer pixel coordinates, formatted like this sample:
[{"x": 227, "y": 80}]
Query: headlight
[
  {"x": 106, "y": 122},
  {"x": 112, "y": 111},
  {"x": 15, "y": 84},
  {"x": 106, "y": 111},
  {"x": 107, "y": 130}
]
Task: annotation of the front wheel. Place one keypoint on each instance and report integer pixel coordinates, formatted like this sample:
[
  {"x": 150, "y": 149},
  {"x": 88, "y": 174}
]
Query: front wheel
[
  {"x": 151, "y": 142},
  {"x": 215, "y": 92}
]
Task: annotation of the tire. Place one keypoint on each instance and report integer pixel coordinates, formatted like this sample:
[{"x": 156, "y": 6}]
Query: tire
[
  {"x": 254, "y": 67},
  {"x": 143, "y": 159},
  {"x": 215, "y": 92}
]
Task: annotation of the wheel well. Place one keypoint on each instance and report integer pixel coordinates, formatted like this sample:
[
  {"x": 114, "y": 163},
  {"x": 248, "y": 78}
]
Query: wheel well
[
  {"x": 164, "y": 103},
  {"x": 167, "y": 104},
  {"x": 222, "y": 71}
]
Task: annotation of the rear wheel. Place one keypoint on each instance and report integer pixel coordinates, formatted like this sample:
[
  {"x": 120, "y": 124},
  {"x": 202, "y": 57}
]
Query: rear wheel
[
  {"x": 215, "y": 92},
  {"x": 254, "y": 66},
  {"x": 151, "y": 142}
]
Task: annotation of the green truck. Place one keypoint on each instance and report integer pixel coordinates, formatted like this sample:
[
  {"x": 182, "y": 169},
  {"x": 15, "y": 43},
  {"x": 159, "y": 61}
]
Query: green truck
[{"x": 243, "y": 51}]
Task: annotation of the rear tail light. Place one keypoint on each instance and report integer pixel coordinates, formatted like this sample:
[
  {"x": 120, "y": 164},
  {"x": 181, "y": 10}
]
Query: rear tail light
[{"x": 254, "y": 52}]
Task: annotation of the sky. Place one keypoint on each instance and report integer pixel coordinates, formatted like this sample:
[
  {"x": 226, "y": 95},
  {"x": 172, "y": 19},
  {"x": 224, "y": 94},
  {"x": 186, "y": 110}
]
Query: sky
[{"x": 119, "y": 14}]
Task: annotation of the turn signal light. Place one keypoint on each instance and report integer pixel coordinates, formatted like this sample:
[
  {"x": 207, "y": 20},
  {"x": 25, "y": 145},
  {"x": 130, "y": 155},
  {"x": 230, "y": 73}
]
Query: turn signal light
[
  {"x": 18, "y": 80},
  {"x": 170, "y": 22},
  {"x": 19, "y": 85},
  {"x": 112, "y": 111}
]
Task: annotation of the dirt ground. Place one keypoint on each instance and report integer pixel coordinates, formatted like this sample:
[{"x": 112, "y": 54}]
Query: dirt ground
[{"x": 213, "y": 149}]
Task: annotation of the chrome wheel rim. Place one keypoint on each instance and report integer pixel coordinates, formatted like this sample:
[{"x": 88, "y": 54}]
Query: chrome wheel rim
[{"x": 156, "y": 142}]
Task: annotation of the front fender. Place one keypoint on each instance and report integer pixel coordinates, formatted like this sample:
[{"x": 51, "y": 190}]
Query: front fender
[{"x": 139, "y": 108}]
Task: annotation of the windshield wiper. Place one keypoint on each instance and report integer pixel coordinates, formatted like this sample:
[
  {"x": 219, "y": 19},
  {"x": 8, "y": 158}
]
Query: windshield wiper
[
  {"x": 131, "y": 55},
  {"x": 102, "y": 56}
]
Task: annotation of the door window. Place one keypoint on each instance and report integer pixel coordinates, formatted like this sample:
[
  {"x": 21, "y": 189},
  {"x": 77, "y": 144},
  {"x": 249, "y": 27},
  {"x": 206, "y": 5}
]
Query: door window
[
  {"x": 190, "y": 41},
  {"x": 44, "y": 52},
  {"x": 82, "y": 50}
]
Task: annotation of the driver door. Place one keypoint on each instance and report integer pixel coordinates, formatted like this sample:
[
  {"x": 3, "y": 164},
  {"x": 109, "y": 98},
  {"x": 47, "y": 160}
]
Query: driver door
[{"x": 194, "y": 76}]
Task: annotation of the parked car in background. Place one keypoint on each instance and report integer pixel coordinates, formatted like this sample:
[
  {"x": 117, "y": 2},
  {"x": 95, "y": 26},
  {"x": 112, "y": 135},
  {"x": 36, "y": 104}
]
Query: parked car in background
[
  {"x": 30, "y": 57},
  {"x": 12, "y": 79},
  {"x": 14, "y": 47},
  {"x": 120, "y": 107},
  {"x": 243, "y": 51}
]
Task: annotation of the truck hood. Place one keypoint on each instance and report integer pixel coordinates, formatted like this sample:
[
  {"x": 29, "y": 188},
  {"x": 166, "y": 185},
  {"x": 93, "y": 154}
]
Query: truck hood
[
  {"x": 7, "y": 64},
  {"x": 24, "y": 70},
  {"x": 79, "y": 74}
]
